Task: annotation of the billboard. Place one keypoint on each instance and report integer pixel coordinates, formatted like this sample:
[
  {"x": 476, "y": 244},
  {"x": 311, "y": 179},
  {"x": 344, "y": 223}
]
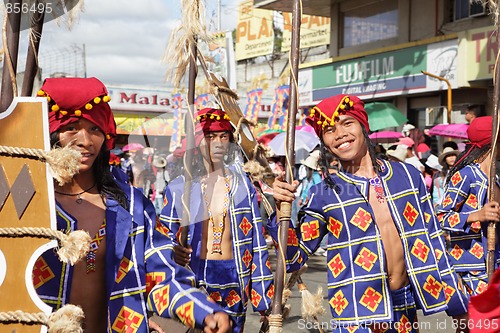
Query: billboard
[
  {"x": 314, "y": 31},
  {"x": 254, "y": 32}
]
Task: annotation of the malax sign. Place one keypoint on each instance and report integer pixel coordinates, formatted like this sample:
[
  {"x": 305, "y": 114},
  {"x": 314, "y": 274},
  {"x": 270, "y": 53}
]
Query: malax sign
[{"x": 129, "y": 99}]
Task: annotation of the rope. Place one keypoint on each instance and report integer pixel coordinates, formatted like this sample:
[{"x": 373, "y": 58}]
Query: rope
[
  {"x": 74, "y": 246},
  {"x": 228, "y": 91},
  {"x": 275, "y": 323},
  {"x": 17, "y": 151},
  {"x": 238, "y": 127},
  {"x": 64, "y": 162},
  {"x": 65, "y": 320}
]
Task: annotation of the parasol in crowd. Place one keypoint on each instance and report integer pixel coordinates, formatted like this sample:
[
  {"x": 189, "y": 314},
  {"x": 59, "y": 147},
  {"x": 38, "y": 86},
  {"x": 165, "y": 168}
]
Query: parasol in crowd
[
  {"x": 305, "y": 142},
  {"x": 133, "y": 146},
  {"x": 458, "y": 131},
  {"x": 385, "y": 136},
  {"x": 384, "y": 115}
]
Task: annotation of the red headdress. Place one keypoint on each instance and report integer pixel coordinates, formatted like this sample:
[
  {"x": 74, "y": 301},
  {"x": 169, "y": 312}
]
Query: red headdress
[
  {"x": 479, "y": 134},
  {"x": 326, "y": 112},
  {"x": 208, "y": 120},
  {"x": 479, "y": 131},
  {"x": 73, "y": 98}
]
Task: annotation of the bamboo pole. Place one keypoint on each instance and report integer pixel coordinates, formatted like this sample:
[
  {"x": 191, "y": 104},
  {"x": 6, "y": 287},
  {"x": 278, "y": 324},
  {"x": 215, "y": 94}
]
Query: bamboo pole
[
  {"x": 33, "y": 47},
  {"x": 10, "y": 32},
  {"x": 275, "y": 321},
  {"x": 491, "y": 232},
  {"x": 188, "y": 155}
]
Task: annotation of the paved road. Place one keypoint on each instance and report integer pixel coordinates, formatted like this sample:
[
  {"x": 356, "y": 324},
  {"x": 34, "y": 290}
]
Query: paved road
[{"x": 316, "y": 277}]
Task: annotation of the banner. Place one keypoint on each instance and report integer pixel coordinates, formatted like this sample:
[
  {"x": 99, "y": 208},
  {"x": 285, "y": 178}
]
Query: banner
[
  {"x": 303, "y": 115},
  {"x": 201, "y": 101},
  {"x": 215, "y": 49},
  {"x": 314, "y": 31},
  {"x": 279, "y": 107},
  {"x": 254, "y": 32},
  {"x": 175, "y": 139},
  {"x": 252, "y": 108}
]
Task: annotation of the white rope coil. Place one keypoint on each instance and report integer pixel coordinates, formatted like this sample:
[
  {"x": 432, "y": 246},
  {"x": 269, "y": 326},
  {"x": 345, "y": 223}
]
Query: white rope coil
[
  {"x": 67, "y": 319},
  {"x": 74, "y": 245}
]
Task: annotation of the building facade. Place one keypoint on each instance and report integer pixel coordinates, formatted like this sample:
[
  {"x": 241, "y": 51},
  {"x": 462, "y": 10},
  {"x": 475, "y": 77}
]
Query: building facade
[{"x": 379, "y": 50}]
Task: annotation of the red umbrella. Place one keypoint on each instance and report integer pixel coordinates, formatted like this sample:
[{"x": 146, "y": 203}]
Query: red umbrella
[
  {"x": 458, "y": 131},
  {"x": 264, "y": 139},
  {"x": 385, "y": 136}
]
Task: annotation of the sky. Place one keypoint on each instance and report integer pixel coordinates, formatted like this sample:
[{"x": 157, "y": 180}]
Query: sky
[{"x": 124, "y": 40}]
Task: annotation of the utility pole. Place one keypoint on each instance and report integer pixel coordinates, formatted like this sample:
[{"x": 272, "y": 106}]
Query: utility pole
[{"x": 449, "y": 91}]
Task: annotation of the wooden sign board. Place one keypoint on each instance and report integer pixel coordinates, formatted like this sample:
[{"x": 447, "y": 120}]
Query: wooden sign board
[{"x": 26, "y": 200}]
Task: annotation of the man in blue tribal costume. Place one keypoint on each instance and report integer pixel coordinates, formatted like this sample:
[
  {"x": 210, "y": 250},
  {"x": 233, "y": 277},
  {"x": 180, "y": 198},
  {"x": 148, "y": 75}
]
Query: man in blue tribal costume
[
  {"x": 128, "y": 270},
  {"x": 386, "y": 255},
  {"x": 465, "y": 209},
  {"x": 226, "y": 246}
]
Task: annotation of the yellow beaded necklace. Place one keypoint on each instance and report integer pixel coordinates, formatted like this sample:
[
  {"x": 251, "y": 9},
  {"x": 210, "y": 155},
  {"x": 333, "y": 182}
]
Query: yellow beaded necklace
[{"x": 216, "y": 229}]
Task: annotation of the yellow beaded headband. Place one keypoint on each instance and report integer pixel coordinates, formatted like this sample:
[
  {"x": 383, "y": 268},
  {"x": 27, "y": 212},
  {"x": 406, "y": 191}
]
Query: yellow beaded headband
[
  {"x": 78, "y": 113},
  {"x": 322, "y": 119}
]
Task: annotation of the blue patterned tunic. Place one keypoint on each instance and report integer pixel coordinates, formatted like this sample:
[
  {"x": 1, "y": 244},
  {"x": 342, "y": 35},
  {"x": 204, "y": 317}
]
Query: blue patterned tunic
[
  {"x": 358, "y": 289},
  {"x": 255, "y": 279},
  {"x": 141, "y": 276},
  {"x": 467, "y": 192}
]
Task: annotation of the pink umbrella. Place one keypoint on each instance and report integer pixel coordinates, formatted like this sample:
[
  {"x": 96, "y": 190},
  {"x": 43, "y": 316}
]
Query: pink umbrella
[
  {"x": 458, "y": 131},
  {"x": 133, "y": 146},
  {"x": 385, "y": 136},
  {"x": 305, "y": 128}
]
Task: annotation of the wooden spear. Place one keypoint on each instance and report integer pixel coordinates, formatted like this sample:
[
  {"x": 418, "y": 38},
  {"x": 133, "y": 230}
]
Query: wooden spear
[
  {"x": 491, "y": 233},
  {"x": 33, "y": 47},
  {"x": 188, "y": 154},
  {"x": 10, "y": 31},
  {"x": 275, "y": 320}
]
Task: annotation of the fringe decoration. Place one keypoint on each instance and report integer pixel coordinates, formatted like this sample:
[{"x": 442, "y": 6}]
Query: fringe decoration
[
  {"x": 178, "y": 54},
  {"x": 63, "y": 162},
  {"x": 311, "y": 303},
  {"x": 255, "y": 169},
  {"x": 72, "y": 16}
]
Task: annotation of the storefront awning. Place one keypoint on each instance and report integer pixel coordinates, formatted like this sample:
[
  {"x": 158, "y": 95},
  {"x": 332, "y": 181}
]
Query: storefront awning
[{"x": 141, "y": 125}]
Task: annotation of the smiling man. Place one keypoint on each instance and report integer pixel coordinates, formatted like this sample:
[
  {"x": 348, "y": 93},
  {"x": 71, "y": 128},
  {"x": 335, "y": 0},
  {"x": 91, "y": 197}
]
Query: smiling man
[{"x": 386, "y": 255}]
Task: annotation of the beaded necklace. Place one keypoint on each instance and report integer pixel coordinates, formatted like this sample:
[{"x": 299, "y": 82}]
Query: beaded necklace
[
  {"x": 94, "y": 246},
  {"x": 216, "y": 229},
  {"x": 379, "y": 190}
]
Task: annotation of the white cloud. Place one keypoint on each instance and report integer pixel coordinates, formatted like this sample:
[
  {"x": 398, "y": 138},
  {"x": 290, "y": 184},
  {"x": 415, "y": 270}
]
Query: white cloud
[{"x": 124, "y": 40}]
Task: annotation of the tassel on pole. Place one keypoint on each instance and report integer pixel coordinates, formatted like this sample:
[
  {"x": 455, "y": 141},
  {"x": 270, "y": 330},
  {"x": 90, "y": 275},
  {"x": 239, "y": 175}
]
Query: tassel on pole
[
  {"x": 311, "y": 303},
  {"x": 63, "y": 163}
]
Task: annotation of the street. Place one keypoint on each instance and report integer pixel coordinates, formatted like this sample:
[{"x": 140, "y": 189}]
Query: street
[{"x": 315, "y": 277}]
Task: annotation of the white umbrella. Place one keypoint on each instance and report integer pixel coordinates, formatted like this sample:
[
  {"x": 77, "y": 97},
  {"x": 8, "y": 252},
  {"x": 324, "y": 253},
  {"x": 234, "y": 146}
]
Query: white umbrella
[{"x": 305, "y": 142}]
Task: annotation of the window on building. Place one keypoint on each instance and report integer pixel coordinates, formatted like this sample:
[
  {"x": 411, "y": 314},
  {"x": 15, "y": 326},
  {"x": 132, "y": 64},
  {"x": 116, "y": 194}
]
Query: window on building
[
  {"x": 466, "y": 8},
  {"x": 370, "y": 23}
]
